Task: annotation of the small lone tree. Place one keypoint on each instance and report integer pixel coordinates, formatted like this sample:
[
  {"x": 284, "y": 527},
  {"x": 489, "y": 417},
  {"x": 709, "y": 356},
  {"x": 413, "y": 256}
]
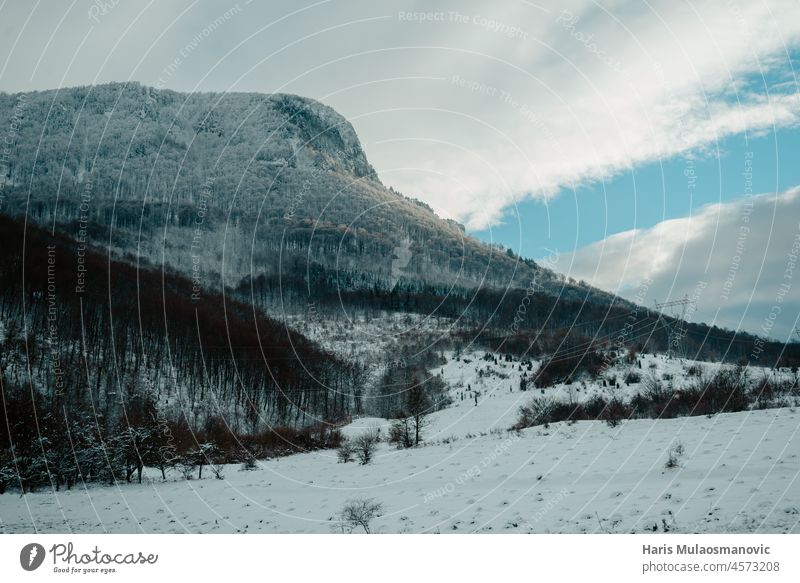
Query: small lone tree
[
  {"x": 359, "y": 512},
  {"x": 203, "y": 454},
  {"x": 418, "y": 406}
]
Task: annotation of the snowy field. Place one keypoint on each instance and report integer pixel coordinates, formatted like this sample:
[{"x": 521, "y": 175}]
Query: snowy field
[{"x": 739, "y": 473}]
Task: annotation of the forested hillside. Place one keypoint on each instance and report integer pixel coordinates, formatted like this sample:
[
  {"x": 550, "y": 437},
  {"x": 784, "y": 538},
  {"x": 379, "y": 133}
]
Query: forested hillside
[
  {"x": 84, "y": 331},
  {"x": 271, "y": 199},
  {"x": 231, "y": 186}
]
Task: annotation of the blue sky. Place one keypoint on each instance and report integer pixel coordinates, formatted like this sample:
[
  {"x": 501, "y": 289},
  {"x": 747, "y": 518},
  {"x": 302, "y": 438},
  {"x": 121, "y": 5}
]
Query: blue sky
[{"x": 648, "y": 194}]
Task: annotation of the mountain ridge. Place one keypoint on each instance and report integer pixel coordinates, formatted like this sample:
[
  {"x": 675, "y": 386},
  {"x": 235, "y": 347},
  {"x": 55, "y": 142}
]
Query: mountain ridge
[{"x": 273, "y": 162}]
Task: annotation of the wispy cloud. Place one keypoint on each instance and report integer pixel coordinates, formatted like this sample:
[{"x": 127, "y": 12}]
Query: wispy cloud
[
  {"x": 598, "y": 91},
  {"x": 743, "y": 255}
]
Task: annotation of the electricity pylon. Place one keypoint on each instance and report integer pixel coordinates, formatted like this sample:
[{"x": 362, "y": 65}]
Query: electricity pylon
[{"x": 676, "y": 328}]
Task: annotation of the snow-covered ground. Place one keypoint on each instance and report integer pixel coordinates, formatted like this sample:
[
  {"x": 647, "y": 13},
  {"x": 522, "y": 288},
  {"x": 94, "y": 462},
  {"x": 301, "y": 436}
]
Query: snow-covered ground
[
  {"x": 499, "y": 396},
  {"x": 739, "y": 473}
]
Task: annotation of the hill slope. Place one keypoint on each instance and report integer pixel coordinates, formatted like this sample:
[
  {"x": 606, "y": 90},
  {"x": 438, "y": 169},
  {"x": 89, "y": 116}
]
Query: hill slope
[
  {"x": 250, "y": 184},
  {"x": 271, "y": 197}
]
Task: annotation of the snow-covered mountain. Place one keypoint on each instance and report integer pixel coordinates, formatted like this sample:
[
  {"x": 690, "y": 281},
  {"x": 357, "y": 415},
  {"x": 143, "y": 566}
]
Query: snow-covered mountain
[{"x": 195, "y": 280}]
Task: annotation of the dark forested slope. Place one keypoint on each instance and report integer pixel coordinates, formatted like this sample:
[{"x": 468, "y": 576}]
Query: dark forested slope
[{"x": 86, "y": 331}]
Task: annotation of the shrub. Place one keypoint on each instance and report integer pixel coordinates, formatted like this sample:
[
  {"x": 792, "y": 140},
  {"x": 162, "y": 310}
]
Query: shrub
[
  {"x": 401, "y": 434},
  {"x": 538, "y": 411},
  {"x": 186, "y": 467},
  {"x": 654, "y": 388},
  {"x": 365, "y": 445},
  {"x": 345, "y": 452},
  {"x": 543, "y": 379},
  {"x": 725, "y": 392},
  {"x": 674, "y": 455},
  {"x": 219, "y": 471},
  {"x": 595, "y": 407},
  {"x": 334, "y": 438},
  {"x": 615, "y": 412},
  {"x": 566, "y": 368}
]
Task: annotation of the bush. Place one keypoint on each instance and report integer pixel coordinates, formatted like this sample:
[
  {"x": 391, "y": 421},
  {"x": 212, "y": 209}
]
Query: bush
[
  {"x": 186, "y": 467},
  {"x": 401, "y": 434},
  {"x": 615, "y": 412},
  {"x": 769, "y": 393},
  {"x": 654, "y": 388},
  {"x": 345, "y": 452},
  {"x": 365, "y": 445},
  {"x": 726, "y": 392},
  {"x": 538, "y": 411},
  {"x": 281, "y": 441},
  {"x": 333, "y": 439},
  {"x": 7, "y": 475},
  {"x": 219, "y": 471},
  {"x": 595, "y": 407},
  {"x": 674, "y": 455}
]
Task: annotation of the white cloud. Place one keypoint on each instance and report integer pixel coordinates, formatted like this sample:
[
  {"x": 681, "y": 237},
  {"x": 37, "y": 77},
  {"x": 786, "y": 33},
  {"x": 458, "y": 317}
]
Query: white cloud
[
  {"x": 677, "y": 83},
  {"x": 547, "y": 98},
  {"x": 742, "y": 256}
]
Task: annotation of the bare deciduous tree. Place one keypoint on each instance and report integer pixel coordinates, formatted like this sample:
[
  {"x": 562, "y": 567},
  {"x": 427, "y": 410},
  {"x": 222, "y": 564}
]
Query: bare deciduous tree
[
  {"x": 359, "y": 512},
  {"x": 419, "y": 406}
]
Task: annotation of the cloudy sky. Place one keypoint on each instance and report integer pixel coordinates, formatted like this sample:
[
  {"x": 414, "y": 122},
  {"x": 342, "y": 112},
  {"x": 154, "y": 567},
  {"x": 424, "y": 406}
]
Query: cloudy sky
[{"x": 627, "y": 139}]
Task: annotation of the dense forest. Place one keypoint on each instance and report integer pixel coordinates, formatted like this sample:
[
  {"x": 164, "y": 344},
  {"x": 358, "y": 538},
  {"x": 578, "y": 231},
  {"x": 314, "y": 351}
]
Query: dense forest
[{"x": 81, "y": 329}]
